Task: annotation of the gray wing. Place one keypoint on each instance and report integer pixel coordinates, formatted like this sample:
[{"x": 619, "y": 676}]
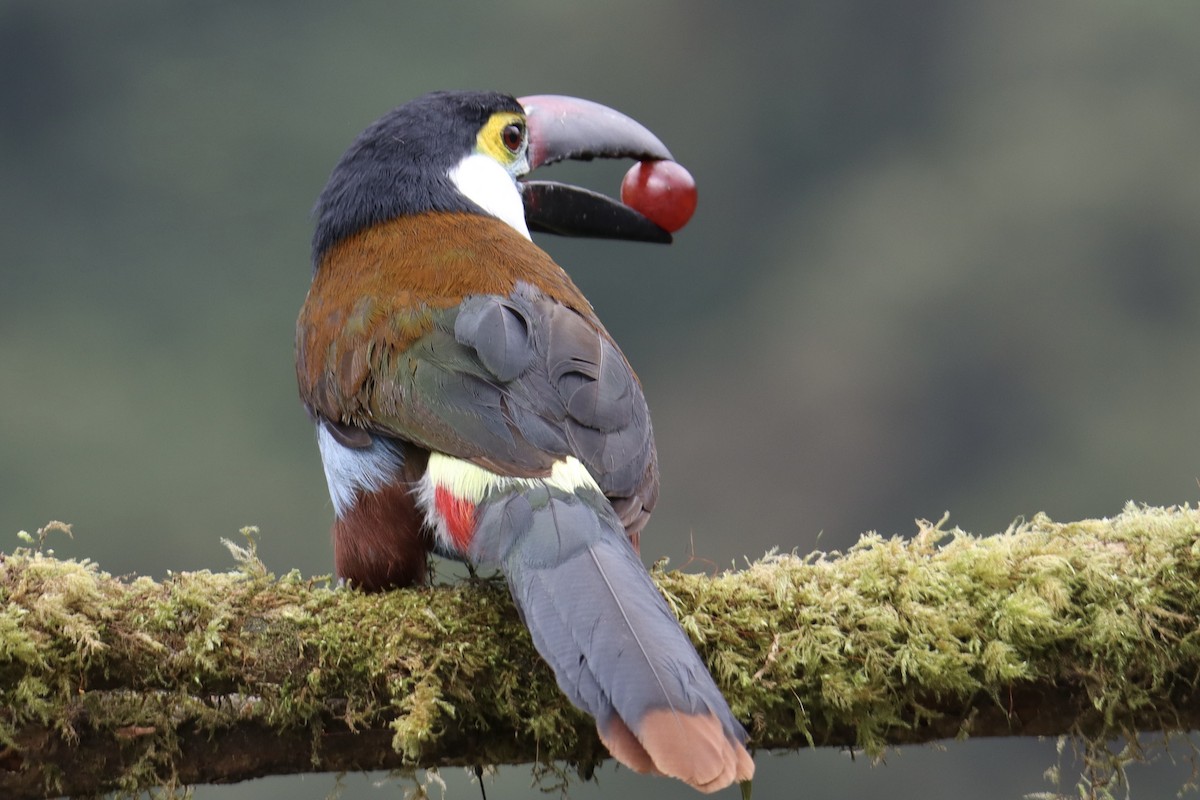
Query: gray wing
[{"x": 515, "y": 383}]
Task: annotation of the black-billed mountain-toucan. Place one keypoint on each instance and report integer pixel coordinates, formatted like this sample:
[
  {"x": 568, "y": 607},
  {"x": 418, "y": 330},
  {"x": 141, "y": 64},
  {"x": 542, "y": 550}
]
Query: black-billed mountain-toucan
[{"x": 468, "y": 401}]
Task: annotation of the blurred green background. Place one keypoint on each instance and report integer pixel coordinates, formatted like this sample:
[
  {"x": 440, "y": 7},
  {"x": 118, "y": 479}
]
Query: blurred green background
[{"x": 945, "y": 259}]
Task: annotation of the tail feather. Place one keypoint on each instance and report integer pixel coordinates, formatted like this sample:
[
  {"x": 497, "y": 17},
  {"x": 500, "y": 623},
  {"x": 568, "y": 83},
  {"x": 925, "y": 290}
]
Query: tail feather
[
  {"x": 696, "y": 749},
  {"x": 624, "y": 745},
  {"x": 615, "y": 647},
  {"x": 553, "y": 639}
]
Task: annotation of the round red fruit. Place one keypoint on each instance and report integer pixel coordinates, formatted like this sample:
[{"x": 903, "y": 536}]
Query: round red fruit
[{"x": 662, "y": 191}]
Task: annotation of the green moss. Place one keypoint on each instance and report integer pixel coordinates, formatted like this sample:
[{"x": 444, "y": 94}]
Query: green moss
[
  {"x": 897, "y": 634},
  {"x": 896, "y": 640}
]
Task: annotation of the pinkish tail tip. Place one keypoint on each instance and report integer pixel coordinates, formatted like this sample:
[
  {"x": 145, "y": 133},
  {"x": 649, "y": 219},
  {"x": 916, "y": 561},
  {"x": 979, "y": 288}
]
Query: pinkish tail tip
[
  {"x": 690, "y": 747},
  {"x": 625, "y": 747}
]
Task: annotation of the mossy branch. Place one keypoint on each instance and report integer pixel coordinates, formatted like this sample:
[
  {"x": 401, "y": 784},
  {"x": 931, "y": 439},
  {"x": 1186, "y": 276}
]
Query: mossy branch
[{"x": 1087, "y": 628}]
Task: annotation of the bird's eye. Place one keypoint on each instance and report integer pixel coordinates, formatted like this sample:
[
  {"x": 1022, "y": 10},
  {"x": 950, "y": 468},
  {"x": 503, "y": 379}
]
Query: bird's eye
[{"x": 512, "y": 136}]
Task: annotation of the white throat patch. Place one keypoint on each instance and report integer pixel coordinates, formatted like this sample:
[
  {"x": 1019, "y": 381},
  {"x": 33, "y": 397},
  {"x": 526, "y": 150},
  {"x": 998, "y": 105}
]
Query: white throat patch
[{"x": 490, "y": 187}]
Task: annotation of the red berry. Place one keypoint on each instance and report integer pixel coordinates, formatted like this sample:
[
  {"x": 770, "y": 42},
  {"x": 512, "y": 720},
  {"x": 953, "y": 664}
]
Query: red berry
[{"x": 662, "y": 191}]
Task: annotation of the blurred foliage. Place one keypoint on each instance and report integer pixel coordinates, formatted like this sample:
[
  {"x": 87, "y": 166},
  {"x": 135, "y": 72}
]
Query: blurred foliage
[{"x": 945, "y": 258}]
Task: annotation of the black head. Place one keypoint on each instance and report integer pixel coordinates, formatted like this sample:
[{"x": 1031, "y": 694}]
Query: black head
[
  {"x": 469, "y": 152},
  {"x": 401, "y": 163}
]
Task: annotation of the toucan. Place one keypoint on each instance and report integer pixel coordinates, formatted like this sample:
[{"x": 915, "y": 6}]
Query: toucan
[{"x": 469, "y": 402}]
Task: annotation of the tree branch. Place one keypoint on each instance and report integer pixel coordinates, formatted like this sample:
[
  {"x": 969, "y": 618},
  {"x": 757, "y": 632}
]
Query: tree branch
[{"x": 1086, "y": 628}]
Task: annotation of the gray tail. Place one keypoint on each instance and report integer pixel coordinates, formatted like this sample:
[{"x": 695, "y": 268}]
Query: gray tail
[{"x": 614, "y": 645}]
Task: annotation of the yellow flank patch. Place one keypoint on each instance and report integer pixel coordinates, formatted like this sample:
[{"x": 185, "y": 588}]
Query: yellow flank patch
[
  {"x": 570, "y": 475},
  {"x": 463, "y": 479},
  {"x": 490, "y": 140},
  {"x": 470, "y": 482}
]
